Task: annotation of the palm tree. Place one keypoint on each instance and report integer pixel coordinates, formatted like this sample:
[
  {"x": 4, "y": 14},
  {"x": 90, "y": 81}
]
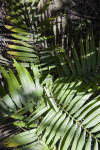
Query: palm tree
[{"x": 55, "y": 102}]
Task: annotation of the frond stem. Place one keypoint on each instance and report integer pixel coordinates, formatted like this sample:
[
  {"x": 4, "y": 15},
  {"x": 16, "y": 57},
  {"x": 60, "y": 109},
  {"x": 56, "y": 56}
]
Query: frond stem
[{"x": 79, "y": 124}]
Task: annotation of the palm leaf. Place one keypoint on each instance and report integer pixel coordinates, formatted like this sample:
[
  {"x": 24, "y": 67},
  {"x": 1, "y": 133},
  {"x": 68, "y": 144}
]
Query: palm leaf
[
  {"x": 28, "y": 92},
  {"x": 73, "y": 123},
  {"x": 88, "y": 62},
  {"x": 64, "y": 113},
  {"x": 28, "y": 33}
]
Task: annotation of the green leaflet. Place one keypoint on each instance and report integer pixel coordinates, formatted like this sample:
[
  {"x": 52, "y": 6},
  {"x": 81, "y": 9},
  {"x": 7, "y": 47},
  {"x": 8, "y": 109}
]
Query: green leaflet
[
  {"x": 80, "y": 102},
  {"x": 77, "y": 136},
  {"x": 23, "y": 124},
  {"x": 93, "y": 122},
  {"x": 51, "y": 125},
  {"x": 70, "y": 137},
  {"x": 6, "y": 99},
  {"x": 55, "y": 128},
  {"x": 51, "y": 100},
  {"x": 60, "y": 131},
  {"x": 29, "y": 89},
  {"x": 21, "y": 54},
  {"x": 21, "y": 48},
  {"x": 92, "y": 50},
  {"x": 62, "y": 142},
  {"x": 81, "y": 141},
  {"x": 91, "y": 116},
  {"x": 46, "y": 120},
  {"x": 95, "y": 128},
  {"x": 83, "y": 58},
  {"x": 13, "y": 91},
  {"x": 63, "y": 63},
  {"x": 88, "y": 144},
  {"x": 21, "y": 37},
  {"x": 38, "y": 114},
  {"x": 36, "y": 76},
  {"x": 71, "y": 86},
  {"x": 4, "y": 108},
  {"x": 23, "y": 110},
  {"x": 76, "y": 99},
  {"x": 17, "y": 87},
  {"x": 96, "y": 146},
  {"x": 89, "y": 108},
  {"x": 17, "y": 30},
  {"x": 20, "y": 139},
  {"x": 71, "y": 94},
  {"x": 23, "y": 43},
  {"x": 88, "y": 54},
  {"x": 76, "y": 59}
]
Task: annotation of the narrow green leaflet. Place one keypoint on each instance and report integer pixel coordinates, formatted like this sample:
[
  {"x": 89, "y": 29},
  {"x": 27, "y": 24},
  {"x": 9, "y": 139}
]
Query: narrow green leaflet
[
  {"x": 21, "y": 138},
  {"x": 88, "y": 54},
  {"x": 6, "y": 99},
  {"x": 51, "y": 100},
  {"x": 96, "y": 146},
  {"x": 81, "y": 141},
  {"x": 76, "y": 59},
  {"x": 58, "y": 115},
  {"x": 62, "y": 141},
  {"x": 13, "y": 92},
  {"x": 63, "y": 63},
  {"x": 46, "y": 120},
  {"x": 88, "y": 144},
  {"x": 25, "y": 77},
  {"x": 55, "y": 128},
  {"x": 89, "y": 108},
  {"x": 70, "y": 137},
  {"x": 60, "y": 131},
  {"x": 91, "y": 116},
  {"x": 93, "y": 122},
  {"x": 95, "y": 128},
  {"x": 36, "y": 76},
  {"x": 77, "y": 136},
  {"x": 21, "y": 48},
  {"x": 83, "y": 57}
]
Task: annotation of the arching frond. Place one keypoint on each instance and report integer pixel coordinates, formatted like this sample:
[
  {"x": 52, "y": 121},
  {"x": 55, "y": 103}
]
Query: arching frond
[
  {"x": 29, "y": 27},
  {"x": 82, "y": 62},
  {"x": 64, "y": 113},
  {"x": 76, "y": 122},
  {"x": 25, "y": 99},
  {"x": 61, "y": 110}
]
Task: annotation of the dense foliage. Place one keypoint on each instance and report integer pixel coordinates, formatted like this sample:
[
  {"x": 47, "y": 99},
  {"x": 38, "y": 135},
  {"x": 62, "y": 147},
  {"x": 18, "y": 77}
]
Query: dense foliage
[{"x": 51, "y": 100}]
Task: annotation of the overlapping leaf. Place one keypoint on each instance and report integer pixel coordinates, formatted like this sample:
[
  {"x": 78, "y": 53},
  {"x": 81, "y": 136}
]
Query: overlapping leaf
[
  {"x": 29, "y": 27},
  {"x": 82, "y": 62},
  {"x": 66, "y": 114},
  {"x": 23, "y": 103},
  {"x": 76, "y": 123}
]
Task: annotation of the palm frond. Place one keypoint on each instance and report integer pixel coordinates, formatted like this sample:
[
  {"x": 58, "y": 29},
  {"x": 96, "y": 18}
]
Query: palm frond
[
  {"x": 27, "y": 137},
  {"x": 76, "y": 122},
  {"x": 83, "y": 62},
  {"x": 64, "y": 113},
  {"x": 49, "y": 111},
  {"x": 24, "y": 99},
  {"x": 29, "y": 27}
]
